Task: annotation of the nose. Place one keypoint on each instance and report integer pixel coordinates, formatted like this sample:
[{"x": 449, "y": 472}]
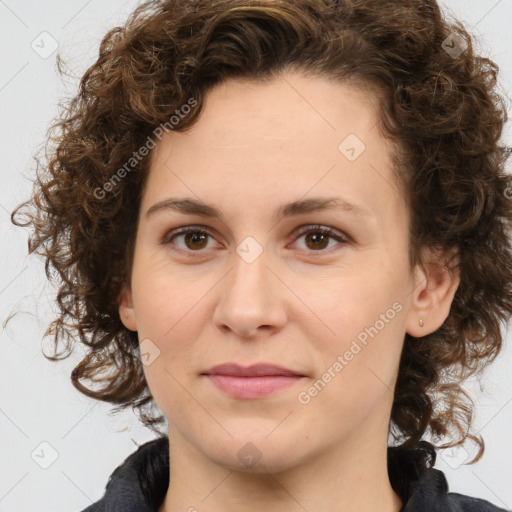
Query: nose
[{"x": 252, "y": 299}]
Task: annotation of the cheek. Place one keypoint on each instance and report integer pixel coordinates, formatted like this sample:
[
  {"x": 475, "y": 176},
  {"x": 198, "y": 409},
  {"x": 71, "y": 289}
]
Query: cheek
[
  {"x": 363, "y": 326},
  {"x": 357, "y": 364},
  {"x": 170, "y": 315},
  {"x": 348, "y": 305},
  {"x": 166, "y": 300},
  {"x": 169, "y": 376}
]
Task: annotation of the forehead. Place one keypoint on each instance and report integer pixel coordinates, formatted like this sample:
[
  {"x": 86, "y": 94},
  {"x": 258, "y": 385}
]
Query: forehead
[
  {"x": 291, "y": 107},
  {"x": 280, "y": 139}
]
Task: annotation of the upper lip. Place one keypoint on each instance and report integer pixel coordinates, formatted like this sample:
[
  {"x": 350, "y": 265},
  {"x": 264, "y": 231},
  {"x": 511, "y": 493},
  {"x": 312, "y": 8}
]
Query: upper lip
[{"x": 255, "y": 370}]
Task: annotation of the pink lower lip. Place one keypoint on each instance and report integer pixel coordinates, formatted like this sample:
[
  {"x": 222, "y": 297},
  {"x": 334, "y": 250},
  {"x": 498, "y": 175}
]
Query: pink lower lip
[{"x": 252, "y": 387}]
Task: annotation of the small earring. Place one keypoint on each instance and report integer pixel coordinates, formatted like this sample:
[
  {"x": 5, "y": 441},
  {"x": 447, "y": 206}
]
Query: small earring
[{"x": 421, "y": 322}]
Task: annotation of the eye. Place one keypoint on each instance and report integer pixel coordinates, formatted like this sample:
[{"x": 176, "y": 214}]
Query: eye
[
  {"x": 317, "y": 238},
  {"x": 195, "y": 239}
]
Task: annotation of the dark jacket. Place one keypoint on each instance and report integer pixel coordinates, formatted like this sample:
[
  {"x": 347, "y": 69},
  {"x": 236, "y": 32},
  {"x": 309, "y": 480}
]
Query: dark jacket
[{"x": 140, "y": 483}]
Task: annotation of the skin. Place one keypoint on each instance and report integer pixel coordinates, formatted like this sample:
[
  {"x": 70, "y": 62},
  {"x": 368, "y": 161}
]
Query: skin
[{"x": 300, "y": 304}]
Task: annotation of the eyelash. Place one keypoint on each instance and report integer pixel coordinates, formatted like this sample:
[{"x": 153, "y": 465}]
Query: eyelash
[{"x": 315, "y": 229}]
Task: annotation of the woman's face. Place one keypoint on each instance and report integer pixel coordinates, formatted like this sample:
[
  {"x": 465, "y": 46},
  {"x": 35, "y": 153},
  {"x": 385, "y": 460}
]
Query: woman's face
[{"x": 261, "y": 282}]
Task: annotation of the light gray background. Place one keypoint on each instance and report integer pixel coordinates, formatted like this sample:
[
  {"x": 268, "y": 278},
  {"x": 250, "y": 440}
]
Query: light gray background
[{"x": 37, "y": 401}]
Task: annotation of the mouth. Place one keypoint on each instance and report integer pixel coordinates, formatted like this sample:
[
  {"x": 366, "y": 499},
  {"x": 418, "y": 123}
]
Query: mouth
[
  {"x": 253, "y": 382},
  {"x": 256, "y": 370}
]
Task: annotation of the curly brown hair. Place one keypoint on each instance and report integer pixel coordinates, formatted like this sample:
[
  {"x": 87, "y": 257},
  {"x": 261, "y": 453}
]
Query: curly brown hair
[{"x": 442, "y": 110}]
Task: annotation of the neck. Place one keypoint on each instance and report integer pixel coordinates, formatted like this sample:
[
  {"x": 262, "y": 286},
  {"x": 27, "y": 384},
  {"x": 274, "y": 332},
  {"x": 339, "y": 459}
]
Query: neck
[{"x": 343, "y": 478}]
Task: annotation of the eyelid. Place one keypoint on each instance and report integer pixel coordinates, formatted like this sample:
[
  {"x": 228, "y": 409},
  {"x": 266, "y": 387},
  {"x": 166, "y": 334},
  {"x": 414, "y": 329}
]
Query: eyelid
[{"x": 334, "y": 233}]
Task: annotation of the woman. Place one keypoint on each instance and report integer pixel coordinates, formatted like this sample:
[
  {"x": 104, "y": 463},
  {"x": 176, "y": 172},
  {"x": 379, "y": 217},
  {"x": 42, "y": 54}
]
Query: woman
[{"x": 285, "y": 224}]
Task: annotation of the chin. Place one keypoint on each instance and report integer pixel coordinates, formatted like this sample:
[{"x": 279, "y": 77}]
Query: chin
[
  {"x": 249, "y": 460},
  {"x": 256, "y": 452}
]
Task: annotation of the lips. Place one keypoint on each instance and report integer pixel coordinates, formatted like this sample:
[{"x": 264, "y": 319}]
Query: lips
[
  {"x": 254, "y": 382},
  {"x": 256, "y": 370}
]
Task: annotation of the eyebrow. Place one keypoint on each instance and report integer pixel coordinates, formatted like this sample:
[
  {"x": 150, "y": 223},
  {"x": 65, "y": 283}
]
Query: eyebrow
[{"x": 195, "y": 207}]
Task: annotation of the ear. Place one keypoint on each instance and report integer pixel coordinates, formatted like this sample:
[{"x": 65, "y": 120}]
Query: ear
[
  {"x": 435, "y": 287},
  {"x": 126, "y": 309}
]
